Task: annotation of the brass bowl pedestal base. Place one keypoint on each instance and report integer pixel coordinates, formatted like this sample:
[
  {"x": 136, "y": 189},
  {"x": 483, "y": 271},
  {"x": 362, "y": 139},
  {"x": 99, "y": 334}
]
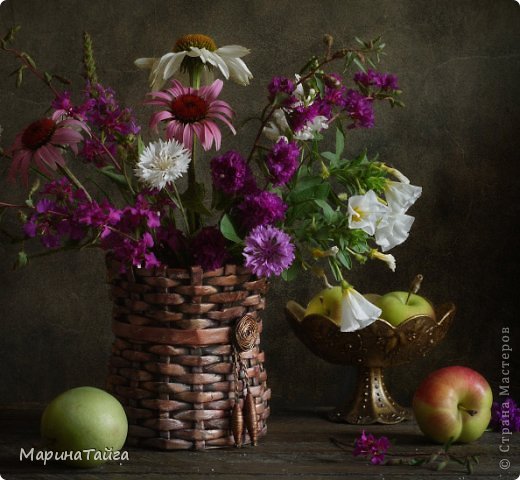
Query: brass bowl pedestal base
[{"x": 372, "y": 403}]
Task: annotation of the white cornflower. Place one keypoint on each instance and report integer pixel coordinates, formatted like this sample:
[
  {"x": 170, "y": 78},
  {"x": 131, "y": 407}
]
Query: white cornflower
[
  {"x": 227, "y": 59},
  {"x": 401, "y": 196},
  {"x": 365, "y": 212},
  {"x": 161, "y": 163},
  {"x": 393, "y": 229},
  {"x": 385, "y": 257},
  {"x": 356, "y": 311}
]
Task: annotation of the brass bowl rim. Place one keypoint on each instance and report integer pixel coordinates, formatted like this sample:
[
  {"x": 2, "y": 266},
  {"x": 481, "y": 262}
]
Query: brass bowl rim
[{"x": 450, "y": 308}]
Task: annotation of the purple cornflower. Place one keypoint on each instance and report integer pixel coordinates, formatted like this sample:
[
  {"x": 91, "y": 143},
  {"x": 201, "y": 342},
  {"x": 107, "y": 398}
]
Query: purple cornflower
[
  {"x": 229, "y": 172},
  {"x": 282, "y": 161},
  {"x": 281, "y": 85},
  {"x": 505, "y": 414},
  {"x": 209, "y": 249},
  {"x": 359, "y": 108},
  {"x": 371, "y": 447},
  {"x": 384, "y": 81},
  {"x": 268, "y": 251},
  {"x": 261, "y": 209}
]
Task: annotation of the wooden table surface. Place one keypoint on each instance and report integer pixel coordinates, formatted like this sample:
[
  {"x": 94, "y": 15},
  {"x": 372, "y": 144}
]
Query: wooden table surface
[{"x": 299, "y": 445}]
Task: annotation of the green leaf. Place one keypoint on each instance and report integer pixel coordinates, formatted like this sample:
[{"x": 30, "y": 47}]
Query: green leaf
[
  {"x": 19, "y": 76},
  {"x": 331, "y": 157},
  {"x": 359, "y": 65},
  {"x": 111, "y": 173},
  {"x": 316, "y": 192},
  {"x": 9, "y": 37},
  {"x": 21, "y": 260},
  {"x": 140, "y": 145},
  {"x": 344, "y": 259},
  {"x": 340, "y": 143},
  {"x": 328, "y": 211},
  {"x": 193, "y": 199},
  {"x": 29, "y": 59},
  {"x": 228, "y": 230},
  {"x": 291, "y": 273}
]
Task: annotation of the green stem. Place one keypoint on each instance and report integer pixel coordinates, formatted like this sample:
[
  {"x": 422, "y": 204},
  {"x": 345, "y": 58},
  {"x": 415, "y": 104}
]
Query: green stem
[
  {"x": 75, "y": 180},
  {"x": 193, "y": 218},
  {"x": 177, "y": 201}
]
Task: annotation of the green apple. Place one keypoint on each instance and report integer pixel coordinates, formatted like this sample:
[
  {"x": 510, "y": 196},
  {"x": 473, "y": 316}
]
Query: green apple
[
  {"x": 327, "y": 303},
  {"x": 87, "y": 420},
  {"x": 395, "y": 310},
  {"x": 453, "y": 403}
]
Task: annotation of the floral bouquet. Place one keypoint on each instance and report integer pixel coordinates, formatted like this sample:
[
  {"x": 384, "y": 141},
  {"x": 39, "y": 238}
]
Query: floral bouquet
[{"x": 290, "y": 203}]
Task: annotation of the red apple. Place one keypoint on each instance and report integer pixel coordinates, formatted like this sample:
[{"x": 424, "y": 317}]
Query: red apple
[{"x": 453, "y": 403}]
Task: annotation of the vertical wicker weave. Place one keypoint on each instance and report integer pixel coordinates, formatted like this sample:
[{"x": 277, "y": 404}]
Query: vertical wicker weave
[{"x": 172, "y": 359}]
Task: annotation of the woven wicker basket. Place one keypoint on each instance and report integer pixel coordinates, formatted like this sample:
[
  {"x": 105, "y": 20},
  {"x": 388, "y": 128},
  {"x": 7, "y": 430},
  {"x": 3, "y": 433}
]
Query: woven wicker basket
[{"x": 173, "y": 366}]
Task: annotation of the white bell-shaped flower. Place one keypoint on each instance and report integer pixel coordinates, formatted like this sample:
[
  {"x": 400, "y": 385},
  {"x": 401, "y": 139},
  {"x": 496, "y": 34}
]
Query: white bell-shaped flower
[
  {"x": 401, "y": 196},
  {"x": 393, "y": 229},
  {"x": 356, "y": 311},
  {"x": 365, "y": 212}
]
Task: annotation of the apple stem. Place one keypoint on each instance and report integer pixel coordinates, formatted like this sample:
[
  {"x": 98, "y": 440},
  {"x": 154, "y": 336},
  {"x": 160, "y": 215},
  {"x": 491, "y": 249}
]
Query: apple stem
[
  {"x": 414, "y": 286},
  {"x": 469, "y": 411}
]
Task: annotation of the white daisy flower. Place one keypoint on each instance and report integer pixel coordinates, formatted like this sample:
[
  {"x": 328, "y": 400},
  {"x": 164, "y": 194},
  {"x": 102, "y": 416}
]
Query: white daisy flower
[
  {"x": 365, "y": 212},
  {"x": 356, "y": 311},
  {"x": 227, "y": 59},
  {"x": 161, "y": 163}
]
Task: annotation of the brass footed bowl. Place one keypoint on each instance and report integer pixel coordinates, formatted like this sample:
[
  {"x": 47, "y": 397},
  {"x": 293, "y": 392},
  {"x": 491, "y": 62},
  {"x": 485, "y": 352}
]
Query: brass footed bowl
[{"x": 371, "y": 349}]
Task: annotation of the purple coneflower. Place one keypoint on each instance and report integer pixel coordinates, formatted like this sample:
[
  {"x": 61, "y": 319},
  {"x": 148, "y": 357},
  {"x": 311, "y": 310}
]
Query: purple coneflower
[
  {"x": 192, "y": 112},
  {"x": 43, "y": 142}
]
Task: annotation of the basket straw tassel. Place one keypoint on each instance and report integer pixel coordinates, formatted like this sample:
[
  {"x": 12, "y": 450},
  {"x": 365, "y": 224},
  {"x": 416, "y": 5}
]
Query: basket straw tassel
[
  {"x": 237, "y": 424},
  {"x": 251, "y": 418}
]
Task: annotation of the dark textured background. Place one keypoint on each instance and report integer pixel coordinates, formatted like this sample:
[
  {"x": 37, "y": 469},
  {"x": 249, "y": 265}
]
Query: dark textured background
[{"x": 458, "y": 63}]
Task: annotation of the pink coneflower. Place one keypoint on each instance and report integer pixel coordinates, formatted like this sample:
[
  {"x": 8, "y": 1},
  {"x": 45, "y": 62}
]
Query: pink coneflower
[
  {"x": 192, "y": 111},
  {"x": 43, "y": 142}
]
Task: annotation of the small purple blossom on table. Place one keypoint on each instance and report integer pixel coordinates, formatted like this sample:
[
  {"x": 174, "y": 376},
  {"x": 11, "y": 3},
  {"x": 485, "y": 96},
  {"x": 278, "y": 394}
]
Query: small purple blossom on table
[
  {"x": 505, "y": 414},
  {"x": 372, "y": 448}
]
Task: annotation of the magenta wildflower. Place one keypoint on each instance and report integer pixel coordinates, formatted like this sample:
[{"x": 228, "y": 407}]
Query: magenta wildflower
[
  {"x": 384, "y": 81},
  {"x": 268, "y": 251},
  {"x": 209, "y": 249},
  {"x": 505, "y": 414},
  {"x": 191, "y": 112},
  {"x": 281, "y": 87},
  {"x": 42, "y": 142},
  {"x": 360, "y": 109},
  {"x": 113, "y": 124},
  {"x": 229, "y": 172},
  {"x": 282, "y": 161},
  {"x": 261, "y": 209},
  {"x": 371, "y": 447}
]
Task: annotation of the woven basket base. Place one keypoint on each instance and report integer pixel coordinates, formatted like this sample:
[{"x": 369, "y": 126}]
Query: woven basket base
[{"x": 173, "y": 365}]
